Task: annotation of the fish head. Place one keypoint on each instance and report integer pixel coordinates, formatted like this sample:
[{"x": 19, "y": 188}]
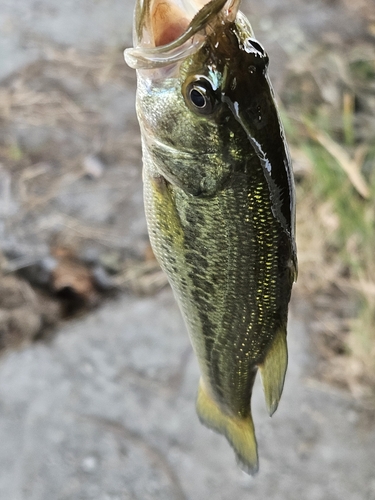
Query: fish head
[
  {"x": 178, "y": 96},
  {"x": 205, "y": 104}
]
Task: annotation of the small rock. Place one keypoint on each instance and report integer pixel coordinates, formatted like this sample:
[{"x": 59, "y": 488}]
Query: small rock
[
  {"x": 13, "y": 292},
  {"x": 8, "y": 205},
  {"x": 89, "y": 463},
  {"x": 18, "y": 326},
  {"x": 102, "y": 279},
  {"x": 112, "y": 261},
  {"x": 89, "y": 255},
  {"x": 93, "y": 166},
  {"x": 39, "y": 273}
]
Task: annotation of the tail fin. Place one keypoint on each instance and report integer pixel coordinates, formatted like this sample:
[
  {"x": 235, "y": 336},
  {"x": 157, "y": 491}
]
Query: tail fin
[
  {"x": 238, "y": 431},
  {"x": 273, "y": 371}
]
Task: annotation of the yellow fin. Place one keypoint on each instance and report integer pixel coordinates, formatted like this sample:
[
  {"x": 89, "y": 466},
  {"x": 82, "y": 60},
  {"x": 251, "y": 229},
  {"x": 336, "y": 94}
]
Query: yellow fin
[
  {"x": 238, "y": 431},
  {"x": 273, "y": 371}
]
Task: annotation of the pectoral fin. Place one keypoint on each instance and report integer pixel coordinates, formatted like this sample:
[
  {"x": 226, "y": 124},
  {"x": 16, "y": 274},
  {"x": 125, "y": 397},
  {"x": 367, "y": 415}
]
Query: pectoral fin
[
  {"x": 238, "y": 431},
  {"x": 273, "y": 370}
]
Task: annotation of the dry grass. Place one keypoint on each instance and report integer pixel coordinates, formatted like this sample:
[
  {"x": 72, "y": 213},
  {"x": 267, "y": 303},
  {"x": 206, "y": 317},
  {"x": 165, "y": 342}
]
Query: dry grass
[
  {"x": 330, "y": 101},
  {"x": 23, "y": 100}
]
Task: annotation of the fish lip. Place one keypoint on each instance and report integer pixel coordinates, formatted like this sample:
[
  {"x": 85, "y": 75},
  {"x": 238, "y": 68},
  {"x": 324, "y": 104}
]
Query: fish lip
[
  {"x": 141, "y": 57},
  {"x": 158, "y": 57}
]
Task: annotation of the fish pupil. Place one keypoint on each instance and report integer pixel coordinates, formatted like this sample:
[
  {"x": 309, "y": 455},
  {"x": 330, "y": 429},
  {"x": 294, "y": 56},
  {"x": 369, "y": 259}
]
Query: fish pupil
[
  {"x": 198, "y": 98},
  {"x": 199, "y": 95}
]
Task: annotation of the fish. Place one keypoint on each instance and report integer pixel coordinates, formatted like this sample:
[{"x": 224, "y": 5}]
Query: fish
[{"x": 219, "y": 200}]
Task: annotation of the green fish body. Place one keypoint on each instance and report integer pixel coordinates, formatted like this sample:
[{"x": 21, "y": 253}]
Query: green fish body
[{"x": 220, "y": 205}]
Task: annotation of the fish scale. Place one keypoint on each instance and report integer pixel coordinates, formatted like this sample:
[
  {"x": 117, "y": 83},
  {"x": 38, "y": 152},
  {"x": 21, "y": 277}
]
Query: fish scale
[
  {"x": 221, "y": 285},
  {"x": 243, "y": 309}
]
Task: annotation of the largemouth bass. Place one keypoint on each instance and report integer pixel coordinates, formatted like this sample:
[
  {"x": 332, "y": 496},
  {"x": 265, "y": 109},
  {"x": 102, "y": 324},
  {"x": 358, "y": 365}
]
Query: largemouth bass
[{"x": 219, "y": 200}]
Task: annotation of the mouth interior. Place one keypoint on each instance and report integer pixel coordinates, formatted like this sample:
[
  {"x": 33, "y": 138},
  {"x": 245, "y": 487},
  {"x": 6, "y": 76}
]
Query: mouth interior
[{"x": 168, "y": 20}]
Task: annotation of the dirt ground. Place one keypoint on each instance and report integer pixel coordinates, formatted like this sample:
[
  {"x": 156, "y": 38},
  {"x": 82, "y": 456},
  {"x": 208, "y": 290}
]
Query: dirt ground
[{"x": 103, "y": 406}]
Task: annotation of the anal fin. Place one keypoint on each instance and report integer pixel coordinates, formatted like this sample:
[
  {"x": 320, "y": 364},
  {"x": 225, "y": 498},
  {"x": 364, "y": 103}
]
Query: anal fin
[
  {"x": 273, "y": 371},
  {"x": 238, "y": 431}
]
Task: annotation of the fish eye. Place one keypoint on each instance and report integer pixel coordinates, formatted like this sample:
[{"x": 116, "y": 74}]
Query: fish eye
[{"x": 199, "y": 96}]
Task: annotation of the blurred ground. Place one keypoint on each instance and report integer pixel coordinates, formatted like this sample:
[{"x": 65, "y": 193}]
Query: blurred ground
[{"x": 105, "y": 410}]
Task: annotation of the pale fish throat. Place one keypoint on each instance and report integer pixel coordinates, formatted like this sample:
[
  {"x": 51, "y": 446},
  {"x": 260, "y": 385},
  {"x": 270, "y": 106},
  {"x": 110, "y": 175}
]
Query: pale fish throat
[{"x": 166, "y": 31}]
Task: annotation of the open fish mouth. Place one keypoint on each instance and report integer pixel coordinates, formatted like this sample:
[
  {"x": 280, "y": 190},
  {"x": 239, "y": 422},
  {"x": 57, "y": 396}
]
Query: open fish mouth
[{"x": 166, "y": 31}]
